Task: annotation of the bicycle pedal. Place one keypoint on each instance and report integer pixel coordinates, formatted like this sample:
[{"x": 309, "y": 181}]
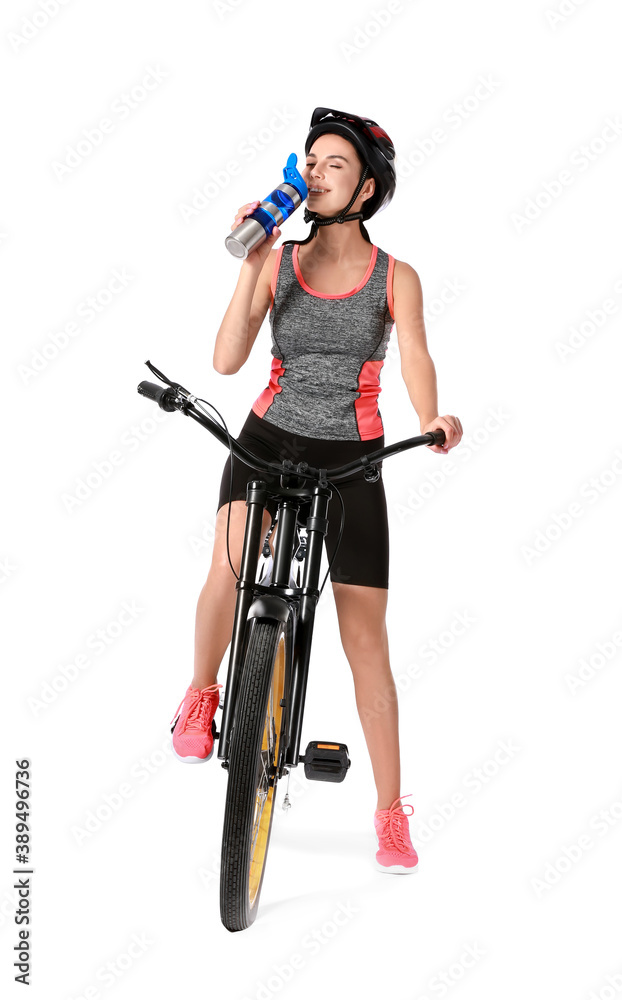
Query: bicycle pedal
[{"x": 326, "y": 761}]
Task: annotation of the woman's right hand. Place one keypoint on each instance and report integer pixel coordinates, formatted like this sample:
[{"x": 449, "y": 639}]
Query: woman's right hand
[{"x": 257, "y": 256}]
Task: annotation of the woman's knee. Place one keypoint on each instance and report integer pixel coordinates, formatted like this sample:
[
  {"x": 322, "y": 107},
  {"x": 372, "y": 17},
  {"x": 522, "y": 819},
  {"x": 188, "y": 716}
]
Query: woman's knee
[
  {"x": 366, "y": 647},
  {"x": 237, "y": 525},
  {"x": 361, "y": 612}
]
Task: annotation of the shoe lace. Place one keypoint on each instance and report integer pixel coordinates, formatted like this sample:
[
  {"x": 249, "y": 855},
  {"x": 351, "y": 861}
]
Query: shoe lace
[
  {"x": 395, "y": 824},
  {"x": 200, "y": 701}
]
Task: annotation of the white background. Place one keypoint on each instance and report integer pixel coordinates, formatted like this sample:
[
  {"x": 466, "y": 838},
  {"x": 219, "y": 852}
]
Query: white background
[{"x": 521, "y": 870}]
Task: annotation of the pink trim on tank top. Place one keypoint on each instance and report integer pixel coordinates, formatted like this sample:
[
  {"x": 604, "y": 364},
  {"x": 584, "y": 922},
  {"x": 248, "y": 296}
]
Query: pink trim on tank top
[
  {"x": 390, "y": 285},
  {"x": 265, "y": 399},
  {"x": 366, "y": 406},
  {"x": 323, "y": 295}
]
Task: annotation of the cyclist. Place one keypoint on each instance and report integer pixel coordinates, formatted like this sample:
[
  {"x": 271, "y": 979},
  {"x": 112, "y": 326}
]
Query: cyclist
[{"x": 333, "y": 299}]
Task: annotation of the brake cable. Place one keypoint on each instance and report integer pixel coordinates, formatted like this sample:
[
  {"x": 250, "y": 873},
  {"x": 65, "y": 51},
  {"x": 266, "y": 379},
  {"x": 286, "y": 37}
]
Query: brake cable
[{"x": 177, "y": 386}]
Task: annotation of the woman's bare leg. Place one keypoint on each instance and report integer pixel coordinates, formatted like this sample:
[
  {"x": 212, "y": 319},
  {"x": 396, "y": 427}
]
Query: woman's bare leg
[
  {"x": 216, "y": 604},
  {"x": 361, "y": 612}
]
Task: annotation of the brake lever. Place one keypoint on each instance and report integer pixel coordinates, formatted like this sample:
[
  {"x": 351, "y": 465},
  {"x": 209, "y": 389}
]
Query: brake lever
[{"x": 174, "y": 385}]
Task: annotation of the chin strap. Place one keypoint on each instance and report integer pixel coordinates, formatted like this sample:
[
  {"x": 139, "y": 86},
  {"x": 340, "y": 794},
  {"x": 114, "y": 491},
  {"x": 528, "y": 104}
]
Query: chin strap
[{"x": 342, "y": 216}]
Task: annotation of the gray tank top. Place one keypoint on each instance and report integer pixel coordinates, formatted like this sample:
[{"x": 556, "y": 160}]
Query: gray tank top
[{"x": 328, "y": 352}]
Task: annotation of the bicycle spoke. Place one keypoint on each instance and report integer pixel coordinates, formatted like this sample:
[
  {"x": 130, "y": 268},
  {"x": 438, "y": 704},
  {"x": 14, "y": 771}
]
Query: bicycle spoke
[{"x": 263, "y": 792}]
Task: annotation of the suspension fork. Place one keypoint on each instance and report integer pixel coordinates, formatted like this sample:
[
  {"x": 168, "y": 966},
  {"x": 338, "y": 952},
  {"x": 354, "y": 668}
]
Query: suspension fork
[{"x": 256, "y": 501}]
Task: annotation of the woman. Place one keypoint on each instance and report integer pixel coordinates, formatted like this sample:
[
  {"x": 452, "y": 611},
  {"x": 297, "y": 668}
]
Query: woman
[{"x": 333, "y": 299}]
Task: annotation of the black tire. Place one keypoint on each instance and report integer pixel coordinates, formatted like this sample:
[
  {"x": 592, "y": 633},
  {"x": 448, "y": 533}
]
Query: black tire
[{"x": 256, "y": 744}]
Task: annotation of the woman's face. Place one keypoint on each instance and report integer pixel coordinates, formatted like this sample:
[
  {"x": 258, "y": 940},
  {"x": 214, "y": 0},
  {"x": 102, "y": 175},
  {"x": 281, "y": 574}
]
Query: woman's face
[{"x": 333, "y": 165}]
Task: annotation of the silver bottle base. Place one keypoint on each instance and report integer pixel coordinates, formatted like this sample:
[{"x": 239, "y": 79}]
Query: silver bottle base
[{"x": 245, "y": 238}]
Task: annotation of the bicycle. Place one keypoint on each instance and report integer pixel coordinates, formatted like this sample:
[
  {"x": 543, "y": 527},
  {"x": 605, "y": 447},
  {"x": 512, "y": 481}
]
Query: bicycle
[{"x": 264, "y": 694}]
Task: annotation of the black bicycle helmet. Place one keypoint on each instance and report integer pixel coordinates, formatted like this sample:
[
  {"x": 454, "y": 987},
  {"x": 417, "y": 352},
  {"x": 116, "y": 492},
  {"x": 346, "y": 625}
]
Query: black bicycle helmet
[{"x": 376, "y": 151}]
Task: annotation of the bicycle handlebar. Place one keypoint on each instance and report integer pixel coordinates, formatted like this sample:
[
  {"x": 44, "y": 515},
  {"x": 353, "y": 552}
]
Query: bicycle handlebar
[{"x": 173, "y": 396}]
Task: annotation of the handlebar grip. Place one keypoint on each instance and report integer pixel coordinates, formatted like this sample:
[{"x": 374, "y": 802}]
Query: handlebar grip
[
  {"x": 438, "y": 435},
  {"x": 163, "y": 395}
]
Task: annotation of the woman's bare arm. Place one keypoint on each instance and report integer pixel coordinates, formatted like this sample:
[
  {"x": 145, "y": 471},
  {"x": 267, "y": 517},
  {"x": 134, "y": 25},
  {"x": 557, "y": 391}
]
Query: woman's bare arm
[
  {"x": 249, "y": 303},
  {"x": 244, "y": 316}
]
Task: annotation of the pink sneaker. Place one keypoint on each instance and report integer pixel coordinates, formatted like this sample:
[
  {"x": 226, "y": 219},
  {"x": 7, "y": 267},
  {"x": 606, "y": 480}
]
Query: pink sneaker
[
  {"x": 193, "y": 739},
  {"x": 396, "y": 854}
]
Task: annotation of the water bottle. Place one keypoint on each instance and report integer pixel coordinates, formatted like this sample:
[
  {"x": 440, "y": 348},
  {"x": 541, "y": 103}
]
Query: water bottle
[{"x": 272, "y": 212}]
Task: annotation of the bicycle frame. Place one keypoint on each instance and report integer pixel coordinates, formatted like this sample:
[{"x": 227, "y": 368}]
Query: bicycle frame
[{"x": 294, "y": 606}]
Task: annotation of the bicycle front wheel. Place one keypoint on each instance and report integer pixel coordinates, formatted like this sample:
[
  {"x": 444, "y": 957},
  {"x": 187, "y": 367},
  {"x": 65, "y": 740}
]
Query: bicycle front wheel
[{"x": 255, "y": 747}]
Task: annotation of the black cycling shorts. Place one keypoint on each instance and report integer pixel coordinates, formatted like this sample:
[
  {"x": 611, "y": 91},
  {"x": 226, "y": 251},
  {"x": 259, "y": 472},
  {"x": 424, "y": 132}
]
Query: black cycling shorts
[{"x": 363, "y": 554}]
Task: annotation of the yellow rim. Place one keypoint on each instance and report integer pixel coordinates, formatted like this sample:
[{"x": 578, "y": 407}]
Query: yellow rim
[{"x": 264, "y": 797}]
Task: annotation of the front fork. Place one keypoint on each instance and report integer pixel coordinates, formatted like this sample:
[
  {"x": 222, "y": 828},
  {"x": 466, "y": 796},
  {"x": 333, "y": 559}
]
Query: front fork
[
  {"x": 256, "y": 499},
  {"x": 317, "y": 526}
]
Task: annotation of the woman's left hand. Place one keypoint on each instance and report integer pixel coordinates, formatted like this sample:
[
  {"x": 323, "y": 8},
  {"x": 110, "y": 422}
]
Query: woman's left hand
[{"x": 453, "y": 433}]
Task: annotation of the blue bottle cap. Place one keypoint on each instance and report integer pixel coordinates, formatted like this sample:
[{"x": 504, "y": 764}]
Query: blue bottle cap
[{"x": 292, "y": 175}]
